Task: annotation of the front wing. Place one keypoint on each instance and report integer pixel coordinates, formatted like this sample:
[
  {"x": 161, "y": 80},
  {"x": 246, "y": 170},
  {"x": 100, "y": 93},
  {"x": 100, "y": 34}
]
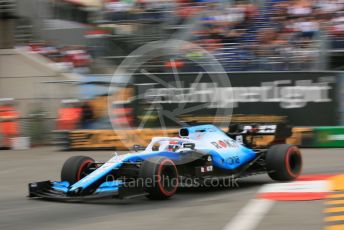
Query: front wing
[{"x": 59, "y": 191}]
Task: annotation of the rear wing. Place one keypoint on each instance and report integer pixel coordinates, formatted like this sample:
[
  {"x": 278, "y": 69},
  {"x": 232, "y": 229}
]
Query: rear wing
[{"x": 249, "y": 133}]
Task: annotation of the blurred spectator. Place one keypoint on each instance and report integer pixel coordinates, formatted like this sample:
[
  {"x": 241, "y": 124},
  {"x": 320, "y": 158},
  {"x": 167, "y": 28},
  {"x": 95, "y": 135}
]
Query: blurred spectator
[
  {"x": 69, "y": 115},
  {"x": 65, "y": 58},
  {"x": 265, "y": 47},
  {"x": 117, "y": 10},
  {"x": 79, "y": 58},
  {"x": 304, "y": 54},
  {"x": 299, "y": 8},
  {"x": 9, "y": 127},
  {"x": 330, "y": 6},
  {"x": 87, "y": 116},
  {"x": 336, "y": 30},
  {"x": 306, "y": 27}
]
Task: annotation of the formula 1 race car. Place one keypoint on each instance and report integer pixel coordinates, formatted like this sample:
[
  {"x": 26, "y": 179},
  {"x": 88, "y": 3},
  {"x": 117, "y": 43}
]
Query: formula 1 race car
[{"x": 200, "y": 155}]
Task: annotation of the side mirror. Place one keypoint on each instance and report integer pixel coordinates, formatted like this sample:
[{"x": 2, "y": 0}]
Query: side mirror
[
  {"x": 137, "y": 148},
  {"x": 189, "y": 146}
]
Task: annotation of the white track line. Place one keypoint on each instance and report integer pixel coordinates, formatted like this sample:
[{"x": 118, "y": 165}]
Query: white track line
[{"x": 250, "y": 216}]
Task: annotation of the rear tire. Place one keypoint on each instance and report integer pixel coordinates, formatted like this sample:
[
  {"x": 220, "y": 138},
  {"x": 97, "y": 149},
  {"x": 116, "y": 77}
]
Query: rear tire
[
  {"x": 160, "y": 177},
  {"x": 284, "y": 162},
  {"x": 75, "y": 168}
]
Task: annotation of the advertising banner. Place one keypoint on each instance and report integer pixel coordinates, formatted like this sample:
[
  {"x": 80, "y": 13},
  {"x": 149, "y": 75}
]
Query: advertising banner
[
  {"x": 328, "y": 136},
  {"x": 302, "y": 98}
]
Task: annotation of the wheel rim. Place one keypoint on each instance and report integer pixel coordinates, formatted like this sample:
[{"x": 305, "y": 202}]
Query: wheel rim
[
  {"x": 82, "y": 172},
  {"x": 293, "y": 162},
  {"x": 167, "y": 178}
]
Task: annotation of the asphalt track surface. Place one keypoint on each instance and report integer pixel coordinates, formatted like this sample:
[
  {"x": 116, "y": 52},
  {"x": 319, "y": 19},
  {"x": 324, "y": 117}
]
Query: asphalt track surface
[{"x": 188, "y": 209}]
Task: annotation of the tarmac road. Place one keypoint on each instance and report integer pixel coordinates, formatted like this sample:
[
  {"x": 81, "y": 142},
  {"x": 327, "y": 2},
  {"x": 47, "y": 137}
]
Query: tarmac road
[{"x": 189, "y": 209}]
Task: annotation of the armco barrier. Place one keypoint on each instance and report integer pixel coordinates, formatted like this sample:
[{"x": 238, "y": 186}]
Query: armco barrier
[
  {"x": 109, "y": 139},
  {"x": 124, "y": 139}
]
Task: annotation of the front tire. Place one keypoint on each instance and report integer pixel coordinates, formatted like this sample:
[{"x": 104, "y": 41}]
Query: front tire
[
  {"x": 284, "y": 162},
  {"x": 160, "y": 177},
  {"x": 75, "y": 168}
]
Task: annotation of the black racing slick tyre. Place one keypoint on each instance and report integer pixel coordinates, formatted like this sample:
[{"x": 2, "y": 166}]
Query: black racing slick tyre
[
  {"x": 284, "y": 162},
  {"x": 75, "y": 168},
  {"x": 160, "y": 177}
]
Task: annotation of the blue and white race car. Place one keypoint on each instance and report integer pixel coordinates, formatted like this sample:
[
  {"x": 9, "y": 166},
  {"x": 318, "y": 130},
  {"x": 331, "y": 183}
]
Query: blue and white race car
[{"x": 200, "y": 155}]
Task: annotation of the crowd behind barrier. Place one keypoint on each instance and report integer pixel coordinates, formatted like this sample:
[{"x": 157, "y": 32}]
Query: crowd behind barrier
[
  {"x": 66, "y": 58},
  {"x": 243, "y": 35},
  {"x": 275, "y": 35}
]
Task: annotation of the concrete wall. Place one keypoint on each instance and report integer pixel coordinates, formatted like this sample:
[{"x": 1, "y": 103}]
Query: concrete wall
[
  {"x": 35, "y": 10},
  {"x": 6, "y": 34},
  {"x": 32, "y": 82},
  {"x": 46, "y": 27},
  {"x": 63, "y": 32}
]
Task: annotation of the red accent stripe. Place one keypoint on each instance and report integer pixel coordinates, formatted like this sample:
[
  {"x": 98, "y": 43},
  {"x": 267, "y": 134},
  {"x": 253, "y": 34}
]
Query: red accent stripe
[
  {"x": 296, "y": 196},
  {"x": 311, "y": 177},
  {"x": 162, "y": 164},
  {"x": 287, "y": 163},
  {"x": 97, "y": 32}
]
